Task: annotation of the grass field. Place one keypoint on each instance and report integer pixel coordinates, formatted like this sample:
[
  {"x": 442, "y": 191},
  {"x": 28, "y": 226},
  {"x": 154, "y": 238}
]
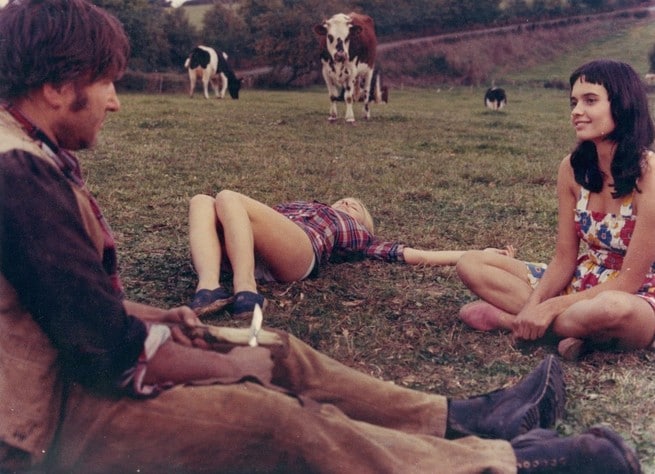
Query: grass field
[{"x": 437, "y": 171}]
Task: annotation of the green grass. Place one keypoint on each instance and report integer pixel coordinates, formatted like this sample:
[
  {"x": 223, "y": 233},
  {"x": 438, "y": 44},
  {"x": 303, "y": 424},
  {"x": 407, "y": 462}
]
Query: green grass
[{"x": 437, "y": 171}]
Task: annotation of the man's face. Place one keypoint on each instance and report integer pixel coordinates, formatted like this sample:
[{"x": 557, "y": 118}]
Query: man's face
[{"x": 84, "y": 113}]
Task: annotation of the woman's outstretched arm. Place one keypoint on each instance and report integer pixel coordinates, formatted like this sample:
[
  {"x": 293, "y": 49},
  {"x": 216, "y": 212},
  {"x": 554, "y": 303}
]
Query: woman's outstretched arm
[{"x": 444, "y": 257}]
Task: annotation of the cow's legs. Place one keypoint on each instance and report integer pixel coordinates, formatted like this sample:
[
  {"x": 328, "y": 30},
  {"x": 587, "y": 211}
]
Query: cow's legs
[
  {"x": 206, "y": 78},
  {"x": 333, "y": 107},
  {"x": 205, "y": 87},
  {"x": 349, "y": 99},
  {"x": 367, "y": 96},
  {"x": 223, "y": 78},
  {"x": 214, "y": 82},
  {"x": 192, "y": 82},
  {"x": 333, "y": 93}
]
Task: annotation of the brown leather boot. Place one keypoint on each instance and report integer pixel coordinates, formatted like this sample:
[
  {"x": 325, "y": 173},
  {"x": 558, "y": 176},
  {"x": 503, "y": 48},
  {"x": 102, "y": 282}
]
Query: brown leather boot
[
  {"x": 598, "y": 450},
  {"x": 535, "y": 402}
]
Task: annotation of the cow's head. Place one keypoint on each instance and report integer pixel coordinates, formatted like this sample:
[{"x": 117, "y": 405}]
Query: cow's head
[
  {"x": 233, "y": 86},
  {"x": 338, "y": 32}
]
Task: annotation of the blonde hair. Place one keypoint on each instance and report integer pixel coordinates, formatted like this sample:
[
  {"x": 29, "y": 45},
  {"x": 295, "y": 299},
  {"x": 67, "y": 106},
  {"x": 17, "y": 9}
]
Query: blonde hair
[{"x": 368, "y": 219}]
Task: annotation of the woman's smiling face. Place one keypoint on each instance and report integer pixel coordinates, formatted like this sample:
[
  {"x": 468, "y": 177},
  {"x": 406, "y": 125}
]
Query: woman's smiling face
[{"x": 591, "y": 111}]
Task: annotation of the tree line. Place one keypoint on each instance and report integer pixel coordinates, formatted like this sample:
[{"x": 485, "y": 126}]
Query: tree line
[{"x": 280, "y": 32}]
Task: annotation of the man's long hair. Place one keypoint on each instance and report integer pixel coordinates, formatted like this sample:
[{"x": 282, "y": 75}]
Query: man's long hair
[
  {"x": 58, "y": 41},
  {"x": 633, "y": 132}
]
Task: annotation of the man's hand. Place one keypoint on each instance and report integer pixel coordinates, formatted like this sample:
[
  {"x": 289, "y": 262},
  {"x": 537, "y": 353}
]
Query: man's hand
[
  {"x": 178, "y": 315},
  {"x": 182, "y": 315}
]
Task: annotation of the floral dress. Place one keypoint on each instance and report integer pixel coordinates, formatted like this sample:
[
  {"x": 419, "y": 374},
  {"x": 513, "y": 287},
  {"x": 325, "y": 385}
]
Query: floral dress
[{"x": 606, "y": 237}]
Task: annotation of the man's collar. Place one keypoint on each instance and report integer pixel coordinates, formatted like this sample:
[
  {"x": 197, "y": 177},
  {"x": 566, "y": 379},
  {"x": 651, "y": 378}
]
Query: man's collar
[
  {"x": 29, "y": 126},
  {"x": 66, "y": 161}
]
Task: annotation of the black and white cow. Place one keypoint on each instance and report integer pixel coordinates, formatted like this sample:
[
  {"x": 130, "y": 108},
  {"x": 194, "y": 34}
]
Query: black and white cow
[
  {"x": 205, "y": 63},
  {"x": 348, "y": 49},
  {"x": 495, "y": 98}
]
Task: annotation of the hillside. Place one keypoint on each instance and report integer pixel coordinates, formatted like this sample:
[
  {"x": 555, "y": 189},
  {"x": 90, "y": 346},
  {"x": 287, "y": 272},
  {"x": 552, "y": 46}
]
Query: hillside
[
  {"x": 507, "y": 55},
  {"x": 500, "y": 55}
]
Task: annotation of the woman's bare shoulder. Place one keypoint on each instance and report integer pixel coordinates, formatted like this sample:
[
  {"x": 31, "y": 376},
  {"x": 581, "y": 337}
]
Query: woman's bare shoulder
[
  {"x": 565, "y": 175},
  {"x": 646, "y": 183}
]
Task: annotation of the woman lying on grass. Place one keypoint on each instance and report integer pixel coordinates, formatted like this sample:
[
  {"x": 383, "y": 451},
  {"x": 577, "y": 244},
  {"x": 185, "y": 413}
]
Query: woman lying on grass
[
  {"x": 288, "y": 242},
  {"x": 602, "y": 294}
]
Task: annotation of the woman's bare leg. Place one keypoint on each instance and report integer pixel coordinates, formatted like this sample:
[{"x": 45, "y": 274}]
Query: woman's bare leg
[
  {"x": 499, "y": 280},
  {"x": 204, "y": 241},
  {"x": 250, "y": 226},
  {"x": 610, "y": 316}
]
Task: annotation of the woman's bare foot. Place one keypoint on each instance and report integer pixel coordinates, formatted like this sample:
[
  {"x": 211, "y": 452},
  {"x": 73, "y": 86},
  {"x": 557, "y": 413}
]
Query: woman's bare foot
[{"x": 482, "y": 316}]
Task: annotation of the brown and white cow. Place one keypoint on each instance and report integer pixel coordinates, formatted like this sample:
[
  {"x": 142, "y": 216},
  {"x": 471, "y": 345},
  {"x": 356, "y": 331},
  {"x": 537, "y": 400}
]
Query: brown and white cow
[
  {"x": 205, "y": 63},
  {"x": 348, "y": 49}
]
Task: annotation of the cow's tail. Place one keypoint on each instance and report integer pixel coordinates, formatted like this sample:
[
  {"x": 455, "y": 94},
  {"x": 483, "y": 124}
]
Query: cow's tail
[
  {"x": 187, "y": 63},
  {"x": 378, "y": 93}
]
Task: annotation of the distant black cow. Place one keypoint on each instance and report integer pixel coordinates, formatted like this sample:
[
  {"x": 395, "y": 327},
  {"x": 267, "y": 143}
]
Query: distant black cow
[
  {"x": 204, "y": 62},
  {"x": 495, "y": 98}
]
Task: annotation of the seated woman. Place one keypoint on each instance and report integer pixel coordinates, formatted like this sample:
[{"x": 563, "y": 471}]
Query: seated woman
[
  {"x": 288, "y": 242},
  {"x": 601, "y": 294}
]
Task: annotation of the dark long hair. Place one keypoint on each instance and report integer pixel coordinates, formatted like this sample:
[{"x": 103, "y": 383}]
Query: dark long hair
[
  {"x": 633, "y": 133},
  {"x": 58, "y": 41}
]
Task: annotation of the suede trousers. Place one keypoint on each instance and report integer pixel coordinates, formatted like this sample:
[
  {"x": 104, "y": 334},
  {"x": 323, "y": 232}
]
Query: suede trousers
[{"x": 335, "y": 420}]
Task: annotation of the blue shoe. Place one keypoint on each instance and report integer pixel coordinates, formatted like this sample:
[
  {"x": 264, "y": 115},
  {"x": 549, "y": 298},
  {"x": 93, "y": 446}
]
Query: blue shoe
[
  {"x": 209, "y": 301},
  {"x": 244, "y": 304}
]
